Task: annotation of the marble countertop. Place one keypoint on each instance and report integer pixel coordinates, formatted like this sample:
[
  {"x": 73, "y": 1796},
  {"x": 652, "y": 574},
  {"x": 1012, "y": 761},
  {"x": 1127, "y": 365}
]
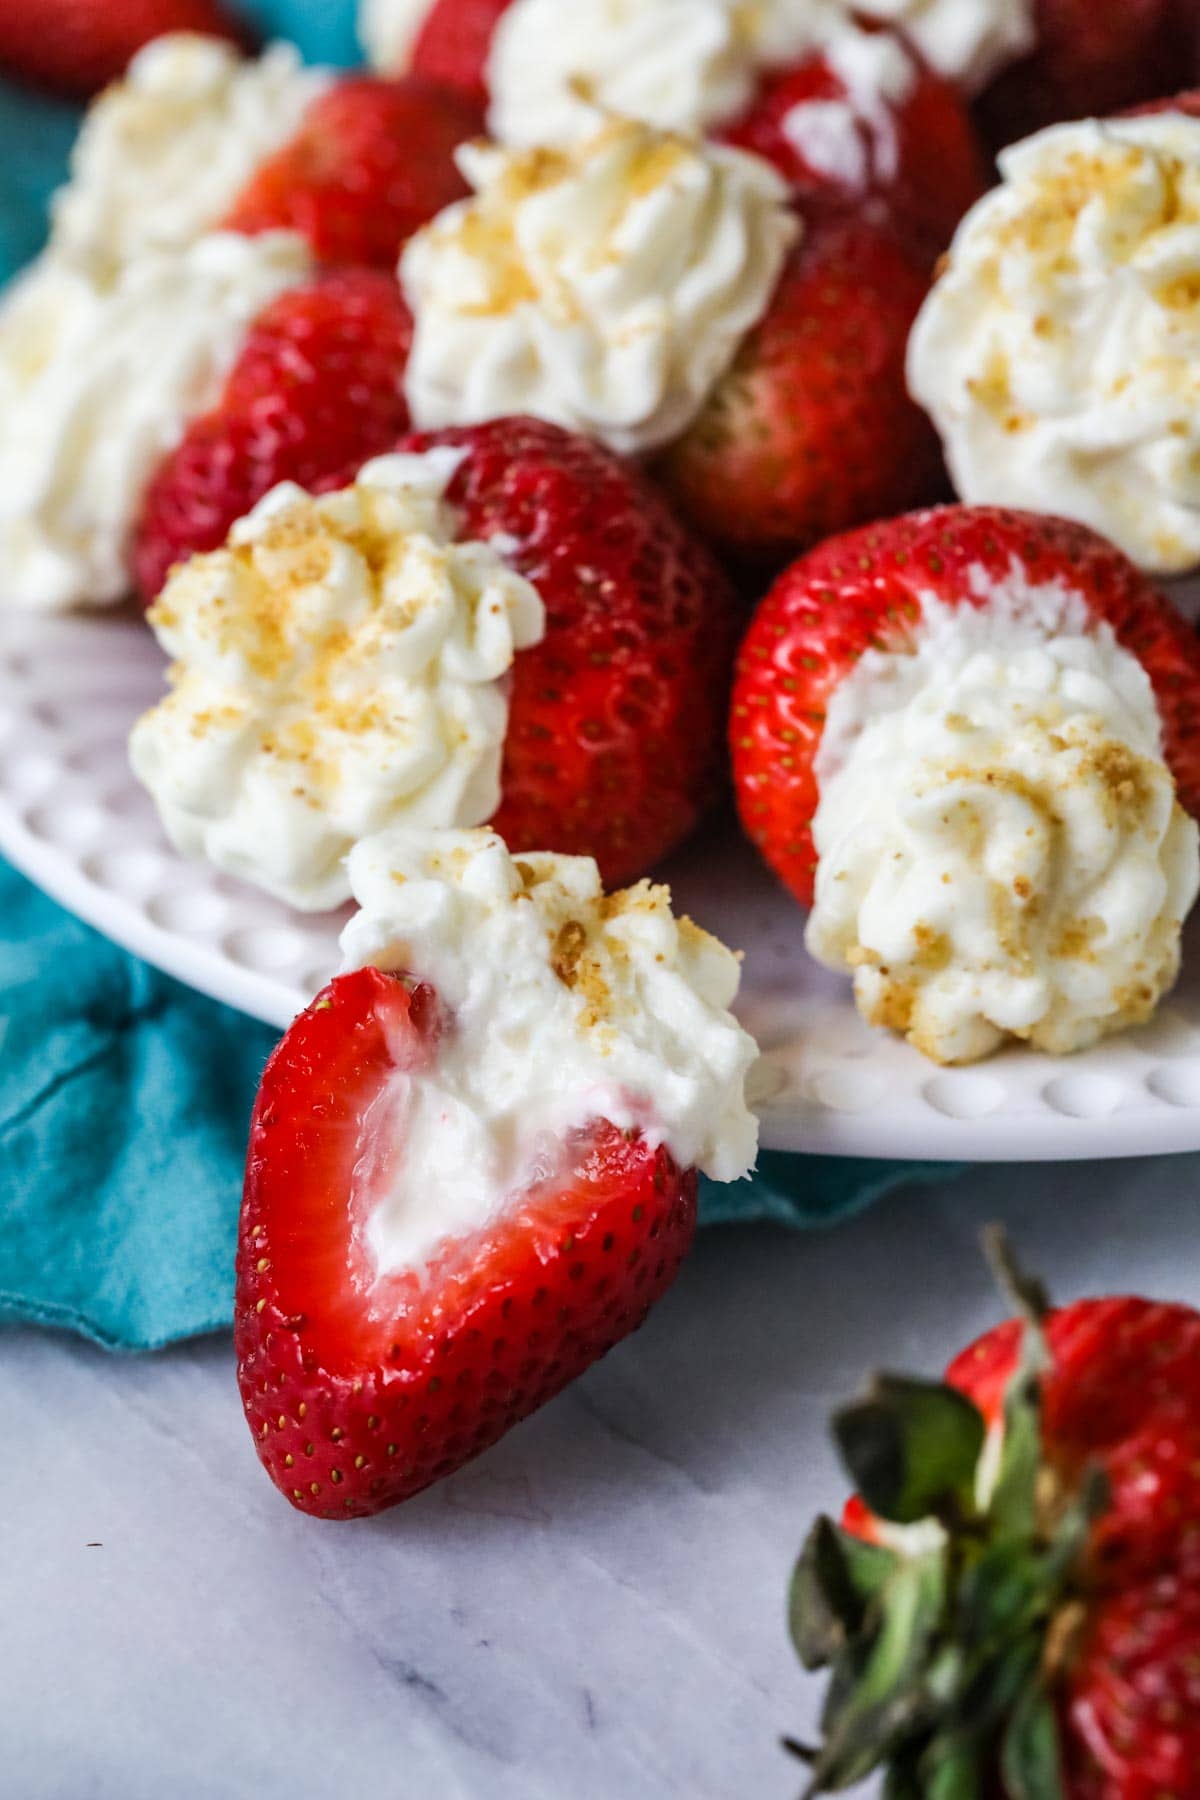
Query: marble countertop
[{"x": 594, "y": 1610}]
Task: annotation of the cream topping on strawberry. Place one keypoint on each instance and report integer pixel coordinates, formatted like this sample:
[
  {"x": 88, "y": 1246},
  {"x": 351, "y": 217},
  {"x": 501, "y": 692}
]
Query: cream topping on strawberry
[
  {"x": 1001, "y": 852},
  {"x": 1059, "y": 353},
  {"x": 164, "y": 153},
  {"x": 605, "y": 287},
  {"x": 340, "y": 667},
  {"x": 854, "y": 140},
  {"x": 97, "y": 382},
  {"x": 563, "y": 1006},
  {"x": 969, "y": 41}
]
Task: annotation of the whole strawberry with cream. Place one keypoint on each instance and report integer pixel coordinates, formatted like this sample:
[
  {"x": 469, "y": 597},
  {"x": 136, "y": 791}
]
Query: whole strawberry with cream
[
  {"x": 659, "y": 293},
  {"x": 968, "y": 738},
  {"x": 1058, "y": 352},
  {"x": 472, "y": 1163},
  {"x": 1028, "y": 1558},
  {"x": 503, "y": 623}
]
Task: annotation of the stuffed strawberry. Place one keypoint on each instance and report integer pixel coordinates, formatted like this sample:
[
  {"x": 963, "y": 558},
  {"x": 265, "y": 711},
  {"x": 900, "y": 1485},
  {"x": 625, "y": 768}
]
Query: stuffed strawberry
[
  {"x": 316, "y": 390},
  {"x": 76, "y": 47},
  {"x": 472, "y": 1163},
  {"x": 812, "y": 430},
  {"x": 503, "y": 623},
  {"x": 182, "y": 344},
  {"x": 371, "y": 162},
  {"x": 646, "y": 289},
  {"x": 968, "y": 738},
  {"x": 1021, "y": 1592},
  {"x": 868, "y": 128}
]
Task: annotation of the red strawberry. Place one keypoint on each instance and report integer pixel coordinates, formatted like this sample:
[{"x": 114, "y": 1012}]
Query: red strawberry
[
  {"x": 613, "y": 739},
  {"x": 454, "y": 42},
  {"x": 812, "y": 429},
  {"x": 1122, "y": 1394},
  {"x": 1048, "y": 1640},
  {"x": 76, "y": 47},
  {"x": 916, "y": 164},
  {"x": 863, "y": 590},
  {"x": 362, "y": 1390},
  {"x": 372, "y": 162},
  {"x": 316, "y": 391},
  {"x": 1090, "y": 60},
  {"x": 1131, "y": 1696}
]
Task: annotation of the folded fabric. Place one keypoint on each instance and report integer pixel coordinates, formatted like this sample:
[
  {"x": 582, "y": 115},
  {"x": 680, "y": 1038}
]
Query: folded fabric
[{"x": 124, "y": 1097}]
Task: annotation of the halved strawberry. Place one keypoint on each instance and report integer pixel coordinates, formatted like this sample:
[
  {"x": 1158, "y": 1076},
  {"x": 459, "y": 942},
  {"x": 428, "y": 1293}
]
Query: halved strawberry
[
  {"x": 914, "y": 161},
  {"x": 317, "y": 389},
  {"x": 812, "y": 430},
  {"x": 864, "y": 591},
  {"x": 372, "y": 162},
  {"x": 360, "y": 1389},
  {"x": 76, "y": 47}
]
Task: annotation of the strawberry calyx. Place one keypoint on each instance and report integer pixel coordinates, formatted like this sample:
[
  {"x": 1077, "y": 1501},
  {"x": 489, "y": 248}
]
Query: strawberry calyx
[{"x": 946, "y": 1638}]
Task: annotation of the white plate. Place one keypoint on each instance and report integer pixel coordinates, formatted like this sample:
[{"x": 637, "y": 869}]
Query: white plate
[{"x": 73, "y": 818}]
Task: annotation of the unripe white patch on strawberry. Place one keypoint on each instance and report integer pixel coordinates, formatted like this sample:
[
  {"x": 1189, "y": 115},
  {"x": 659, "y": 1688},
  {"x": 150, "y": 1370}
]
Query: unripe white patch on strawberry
[
  {"x": 968, "y": 41},
  {"x": 388, "y": 31},
  {"x": 164, "y": 153},
  {"x": 1001, "y": 852},
  {"x": 341, "y": 666},
  {"x": 605, "y": 287},
  {"x": 1057, "y": 354},
  {"x": 563, "y": 1006},
  {"x": 98, "y": 381}
]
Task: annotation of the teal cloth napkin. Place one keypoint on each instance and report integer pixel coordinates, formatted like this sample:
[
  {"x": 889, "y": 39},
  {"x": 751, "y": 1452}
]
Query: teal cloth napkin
[{"x": 124, "y": 1097}]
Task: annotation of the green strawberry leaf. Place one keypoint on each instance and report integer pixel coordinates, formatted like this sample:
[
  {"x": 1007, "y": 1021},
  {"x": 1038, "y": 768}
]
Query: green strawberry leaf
[
  {"x": 913, "y": 1448},
  {"x": 868, "y": 1719},
  {"x": 835, "y": 1579},
  {"x": 1030, "y": 1759}
]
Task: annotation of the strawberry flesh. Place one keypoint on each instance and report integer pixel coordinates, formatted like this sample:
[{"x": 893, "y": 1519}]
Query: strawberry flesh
[
  {"x": 812, "y": 429},
  {"x": 316, "y": 391},
  {"x": 613, "y": 747},
  {"x": 372, "y": 162},
  {"x": 76, "y": 47},
  {"x": 362, "y": 1389},
  {"x": 454, "y": 42},
  {"x": 920, "y": 163}
]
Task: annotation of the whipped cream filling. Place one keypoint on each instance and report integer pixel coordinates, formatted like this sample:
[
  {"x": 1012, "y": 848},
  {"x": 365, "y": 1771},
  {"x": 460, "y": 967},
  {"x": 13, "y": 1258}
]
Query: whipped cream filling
[
  {"x": 1059, "y": 353},
  {"x": 968, "y": 41},
  {"x": 388, "y": 31},
  {"x": 1001, "y": 852},
  {"x": 563, "y": 1006},
  {"x": 855, "y": 140},
  {"x": 98, "y": 380},
  {"x": 605, "y": 287},
  {"x": 339, "y": 668},
  {"x": 556, "y": 71},
  {"x": 164, "y": 153}
]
